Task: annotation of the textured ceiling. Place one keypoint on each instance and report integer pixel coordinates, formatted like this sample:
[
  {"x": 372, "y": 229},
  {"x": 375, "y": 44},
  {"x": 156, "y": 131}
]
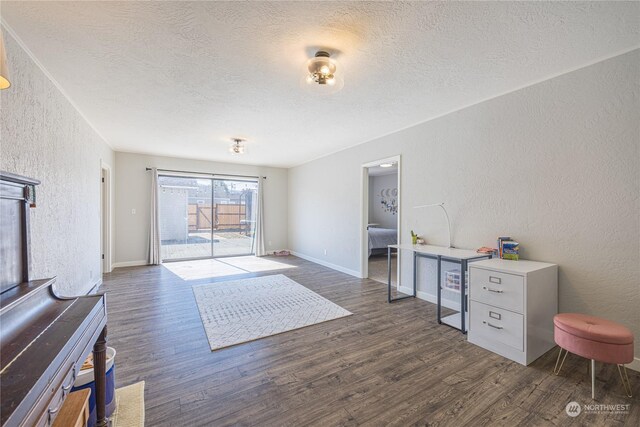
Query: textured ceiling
[{"x": 181, "y": 78}]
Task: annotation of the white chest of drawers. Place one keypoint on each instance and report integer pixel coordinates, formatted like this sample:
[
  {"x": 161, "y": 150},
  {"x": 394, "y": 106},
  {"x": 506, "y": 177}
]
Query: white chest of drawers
[{"x": 512, "y": 307}]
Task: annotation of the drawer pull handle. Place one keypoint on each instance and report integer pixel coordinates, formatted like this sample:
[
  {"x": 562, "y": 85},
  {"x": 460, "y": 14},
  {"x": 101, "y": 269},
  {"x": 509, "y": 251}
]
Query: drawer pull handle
[
  {"x": 493, "y": 326},
  {"x": 497, "y": 291},
  {"x": 52, "y": 412},
  {"x": 66, "y": 388},
  {"x": 495, "y": 280}
]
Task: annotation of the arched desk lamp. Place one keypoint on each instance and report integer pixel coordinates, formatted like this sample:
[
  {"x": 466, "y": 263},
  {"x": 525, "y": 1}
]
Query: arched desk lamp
[{"x": 441, "y": 205}]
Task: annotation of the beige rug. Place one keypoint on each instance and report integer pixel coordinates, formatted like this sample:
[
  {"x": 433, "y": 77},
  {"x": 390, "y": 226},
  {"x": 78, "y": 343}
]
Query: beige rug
[
  {"x": 129, "y": 410},
  {"x": 238, "y": 311}
]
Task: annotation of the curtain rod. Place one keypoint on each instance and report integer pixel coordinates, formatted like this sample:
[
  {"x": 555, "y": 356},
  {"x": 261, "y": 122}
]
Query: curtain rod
[{"x": 207, "y": 173}]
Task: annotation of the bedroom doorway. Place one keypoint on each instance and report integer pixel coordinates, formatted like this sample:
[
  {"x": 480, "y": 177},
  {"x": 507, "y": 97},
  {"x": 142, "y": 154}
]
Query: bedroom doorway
[{"x": 381, "y": 218}]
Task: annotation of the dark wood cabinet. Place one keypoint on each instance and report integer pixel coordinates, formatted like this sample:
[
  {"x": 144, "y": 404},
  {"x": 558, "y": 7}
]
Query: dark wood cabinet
[{"x": 44, "y": 338}]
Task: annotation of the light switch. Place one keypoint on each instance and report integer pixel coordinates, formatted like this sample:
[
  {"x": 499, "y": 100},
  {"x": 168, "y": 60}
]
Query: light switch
[{"x": 133, "y": 211}]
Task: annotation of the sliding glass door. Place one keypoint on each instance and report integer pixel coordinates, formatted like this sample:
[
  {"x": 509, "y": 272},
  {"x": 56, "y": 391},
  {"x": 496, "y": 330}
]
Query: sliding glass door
[
  {"x": 206, "y": 217},
  {"x": 235, "y": 203}
]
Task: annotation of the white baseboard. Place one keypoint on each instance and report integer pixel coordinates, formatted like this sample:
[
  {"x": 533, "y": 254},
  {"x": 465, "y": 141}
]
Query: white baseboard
[
  {"x": 430, "y": 298},
  {"x": 635, "y": 365},
  {"x": 129, "y": 263},
  {"x": 95, "y": 287},
  {"x": 327, "y": 264}
]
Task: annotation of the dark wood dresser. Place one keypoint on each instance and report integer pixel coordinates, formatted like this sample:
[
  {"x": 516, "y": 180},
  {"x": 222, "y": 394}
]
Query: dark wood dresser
[{"x": 44, "y": 338}]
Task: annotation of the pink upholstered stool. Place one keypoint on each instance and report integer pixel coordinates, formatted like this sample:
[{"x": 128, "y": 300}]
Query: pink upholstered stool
[{"x": 596, "y": 339}]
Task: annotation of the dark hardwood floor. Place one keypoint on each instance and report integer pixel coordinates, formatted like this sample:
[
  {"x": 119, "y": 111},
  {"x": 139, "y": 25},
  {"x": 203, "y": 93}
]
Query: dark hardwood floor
[{"x": 388, "y": 364}]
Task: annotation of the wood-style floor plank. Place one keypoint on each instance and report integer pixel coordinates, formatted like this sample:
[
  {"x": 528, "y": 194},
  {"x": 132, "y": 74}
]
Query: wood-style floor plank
[{"x": 388, "y": 364}]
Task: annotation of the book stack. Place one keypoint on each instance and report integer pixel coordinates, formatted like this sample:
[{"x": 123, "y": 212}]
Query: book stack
[{"x": 508, "y": 248}]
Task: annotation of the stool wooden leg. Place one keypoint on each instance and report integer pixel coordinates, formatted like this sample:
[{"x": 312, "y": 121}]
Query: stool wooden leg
[
  {"x": 593, "y": 379},
  {"x": 556, "y": 369},
  {"x": 625, "y": 380}
]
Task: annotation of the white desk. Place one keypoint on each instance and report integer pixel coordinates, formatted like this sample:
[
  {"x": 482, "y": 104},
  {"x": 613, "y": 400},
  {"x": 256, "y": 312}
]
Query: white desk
[{"x": 438, "y": 253}]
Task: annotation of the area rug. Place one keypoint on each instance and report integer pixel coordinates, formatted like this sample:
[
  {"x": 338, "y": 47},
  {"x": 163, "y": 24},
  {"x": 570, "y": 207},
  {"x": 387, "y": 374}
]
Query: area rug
[
  {"x": 129, "y": 410},
  {"x": 244, "y": 310}
]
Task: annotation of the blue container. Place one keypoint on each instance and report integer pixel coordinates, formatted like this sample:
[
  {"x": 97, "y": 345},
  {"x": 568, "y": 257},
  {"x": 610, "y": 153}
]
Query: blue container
[{"x": 86, "y": 380}]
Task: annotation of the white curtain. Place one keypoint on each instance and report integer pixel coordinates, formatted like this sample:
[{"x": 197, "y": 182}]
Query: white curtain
[
  {"x": 154, "y": 230},
  {"x": 259, "y": 234}
]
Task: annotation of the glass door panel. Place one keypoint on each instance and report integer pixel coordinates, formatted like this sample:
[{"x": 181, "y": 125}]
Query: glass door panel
[
  {"x": 235, "y": 212},
  {"x": 186, "y": 217}
]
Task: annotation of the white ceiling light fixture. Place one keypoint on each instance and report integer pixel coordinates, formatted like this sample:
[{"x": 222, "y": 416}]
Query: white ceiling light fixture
[
  {"x": 386, "y": 165},
  {"x": 237, "y": 147},
  {"x": 322, "y": 76}
]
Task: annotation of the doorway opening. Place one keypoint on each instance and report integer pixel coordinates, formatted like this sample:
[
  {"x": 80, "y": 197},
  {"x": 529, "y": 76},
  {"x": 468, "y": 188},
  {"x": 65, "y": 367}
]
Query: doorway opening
[
  {"x": 381, "y": 219},
  {"x": 105, "y": 218},
  {"x": 203, "y": 217}
]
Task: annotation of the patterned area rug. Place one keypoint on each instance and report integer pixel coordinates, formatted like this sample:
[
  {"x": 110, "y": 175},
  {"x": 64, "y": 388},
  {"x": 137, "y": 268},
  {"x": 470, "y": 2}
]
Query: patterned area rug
[
  {"x": 244, "y": 310},
  {"x": 129, "y": 406}
]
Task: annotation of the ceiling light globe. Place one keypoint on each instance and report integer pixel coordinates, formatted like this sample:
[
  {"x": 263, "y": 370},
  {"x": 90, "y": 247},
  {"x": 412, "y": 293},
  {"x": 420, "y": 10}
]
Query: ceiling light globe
[{"x": 320, "y": 77}]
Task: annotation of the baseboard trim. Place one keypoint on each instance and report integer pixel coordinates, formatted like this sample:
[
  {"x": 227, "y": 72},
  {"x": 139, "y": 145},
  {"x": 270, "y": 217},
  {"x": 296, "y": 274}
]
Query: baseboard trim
[
  {"x": 429, "y": 297},
  {"x": 95, "y": 287},
  {"x": 635, "y": 365},
  {"x": 129, "y": 263},
  {"x": 327, "y": 264}
]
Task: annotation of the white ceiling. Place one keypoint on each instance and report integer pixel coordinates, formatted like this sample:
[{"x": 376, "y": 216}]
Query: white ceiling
[{"x": 182, "y": 78}]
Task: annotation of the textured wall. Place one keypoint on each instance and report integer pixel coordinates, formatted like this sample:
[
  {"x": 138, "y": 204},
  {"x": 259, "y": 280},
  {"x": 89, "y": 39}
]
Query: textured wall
[
  {"x": 133, "y": 188},
  {"x": 554, "y": 165},
  {"x": 44, "y": 137}
]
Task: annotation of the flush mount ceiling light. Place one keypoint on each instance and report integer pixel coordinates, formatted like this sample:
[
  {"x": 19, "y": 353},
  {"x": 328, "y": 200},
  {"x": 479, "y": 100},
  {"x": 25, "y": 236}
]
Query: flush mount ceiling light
[
  {"x": 237, "y": 147},
  {"x": 321, "y": 74},
  {"x": 386, "y": 165}
]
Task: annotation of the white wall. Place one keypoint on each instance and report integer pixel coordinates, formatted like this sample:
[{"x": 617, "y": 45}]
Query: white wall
[
  {"x": 174, "y": 211},
  {"x": 377, "y": 214},
  {"x": 555, "y": 165},
  {"x": 43, "y": 136},
  {"x": 133, "y": 185}
]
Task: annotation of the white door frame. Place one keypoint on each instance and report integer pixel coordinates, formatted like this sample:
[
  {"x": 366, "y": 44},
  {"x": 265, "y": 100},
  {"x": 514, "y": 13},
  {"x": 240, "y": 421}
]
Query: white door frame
[
  {"x": 364, "y": 217},
  {"x": 105, "y": 218}
]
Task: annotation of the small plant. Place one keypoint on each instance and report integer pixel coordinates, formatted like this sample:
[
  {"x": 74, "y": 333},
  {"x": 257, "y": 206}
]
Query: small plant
[{"x": 414, "y": 238}]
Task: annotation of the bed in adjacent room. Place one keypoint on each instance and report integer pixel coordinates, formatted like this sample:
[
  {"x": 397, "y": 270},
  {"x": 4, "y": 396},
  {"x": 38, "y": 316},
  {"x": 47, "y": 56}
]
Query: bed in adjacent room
[{"x": 380, "y": 238}]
